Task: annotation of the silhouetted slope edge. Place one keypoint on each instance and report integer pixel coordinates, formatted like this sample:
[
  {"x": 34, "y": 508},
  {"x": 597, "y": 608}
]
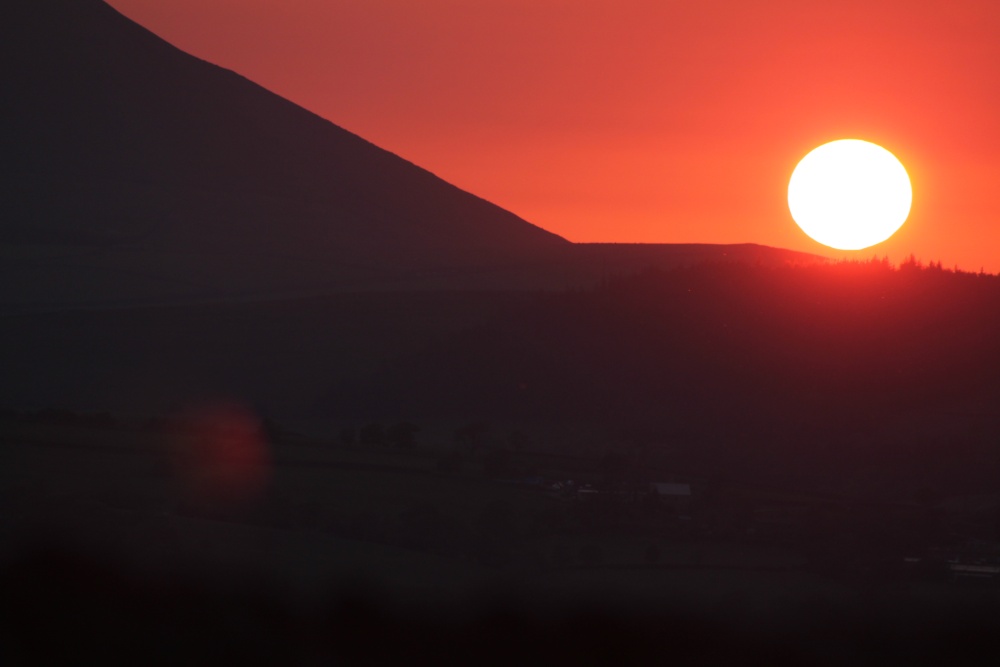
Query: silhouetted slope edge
[
  {"x": 115, "y": 139},
  {"x": 138, "y": 174}
]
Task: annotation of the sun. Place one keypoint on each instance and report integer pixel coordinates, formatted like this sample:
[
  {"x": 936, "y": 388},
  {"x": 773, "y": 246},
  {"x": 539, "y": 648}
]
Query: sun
[{"x": 850, "y": 194}]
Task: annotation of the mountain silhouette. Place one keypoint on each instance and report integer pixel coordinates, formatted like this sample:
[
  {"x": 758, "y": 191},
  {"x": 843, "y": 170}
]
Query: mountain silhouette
[
  {"x": 129, "y": 158},
  {"x": 289, "y": 249},
  {"x": 138, "y": 174}
]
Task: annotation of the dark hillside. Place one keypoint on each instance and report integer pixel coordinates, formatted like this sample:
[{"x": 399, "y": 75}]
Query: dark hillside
[
  {"x": 127, "y": 158},
  {"x": 136, "y": 174},
  {"x": 808, "y": 334},
  {"x": 780, "y": 365}
]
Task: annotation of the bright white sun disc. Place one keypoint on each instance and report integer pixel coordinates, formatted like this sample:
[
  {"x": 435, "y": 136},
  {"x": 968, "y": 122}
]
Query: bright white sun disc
[{"x": 850, "y": 194}]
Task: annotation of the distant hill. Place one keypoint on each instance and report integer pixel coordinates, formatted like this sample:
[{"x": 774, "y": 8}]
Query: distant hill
[
  {"x": 816, "y": 369},
  {"x": 813, "y": 372},
  {"x": 136, "y": 174}
]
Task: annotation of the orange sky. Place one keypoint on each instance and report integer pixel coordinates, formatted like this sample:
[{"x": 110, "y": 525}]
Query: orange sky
[{"x": 642, "y": 120}]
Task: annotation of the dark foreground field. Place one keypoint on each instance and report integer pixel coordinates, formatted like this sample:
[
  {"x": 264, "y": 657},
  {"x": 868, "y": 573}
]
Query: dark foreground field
[
  {"x": 366, "y": 554},
  {"x": 719, "y": 463}
]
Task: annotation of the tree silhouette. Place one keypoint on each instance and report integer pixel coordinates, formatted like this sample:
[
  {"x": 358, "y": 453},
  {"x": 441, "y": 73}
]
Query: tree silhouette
[
  {"x": 372, "y": 434},
  {"x": 402, "y": 435},
  {"x": 470, "y": 435}
]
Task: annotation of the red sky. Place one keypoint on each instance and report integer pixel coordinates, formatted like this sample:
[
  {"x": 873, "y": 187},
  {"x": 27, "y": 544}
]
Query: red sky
[{"x": 642, "y": 120}]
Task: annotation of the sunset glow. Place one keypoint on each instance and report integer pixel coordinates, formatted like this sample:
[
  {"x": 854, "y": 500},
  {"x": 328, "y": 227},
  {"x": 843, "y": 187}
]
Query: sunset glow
[
  {"x": 620, "y": 122},
  {"x": 500, "y": 331}
]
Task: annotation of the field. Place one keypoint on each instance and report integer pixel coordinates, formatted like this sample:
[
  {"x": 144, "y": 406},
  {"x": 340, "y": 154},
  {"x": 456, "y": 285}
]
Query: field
[{"x": 416, "y": 543}]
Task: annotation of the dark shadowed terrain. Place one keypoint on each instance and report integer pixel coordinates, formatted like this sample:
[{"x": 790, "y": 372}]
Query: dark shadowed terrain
[
  {"x": 446, "y": 469},
  {"x": 271, "y": 393}
]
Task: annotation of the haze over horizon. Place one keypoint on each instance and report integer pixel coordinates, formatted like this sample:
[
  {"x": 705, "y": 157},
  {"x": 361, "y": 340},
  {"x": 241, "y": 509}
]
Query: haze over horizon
[{"x": 641, "y": 122}]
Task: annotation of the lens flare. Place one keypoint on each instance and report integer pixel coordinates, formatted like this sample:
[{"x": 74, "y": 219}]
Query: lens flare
[{"x": 222, "y": 454}]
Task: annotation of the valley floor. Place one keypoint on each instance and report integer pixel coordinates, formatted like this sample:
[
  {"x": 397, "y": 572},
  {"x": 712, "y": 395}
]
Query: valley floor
[{"x": 106, "y": 514}]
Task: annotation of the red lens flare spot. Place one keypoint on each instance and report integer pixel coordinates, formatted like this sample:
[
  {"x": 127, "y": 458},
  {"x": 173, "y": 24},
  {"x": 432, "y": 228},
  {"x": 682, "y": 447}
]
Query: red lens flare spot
[{"x": 222, "y": 454}]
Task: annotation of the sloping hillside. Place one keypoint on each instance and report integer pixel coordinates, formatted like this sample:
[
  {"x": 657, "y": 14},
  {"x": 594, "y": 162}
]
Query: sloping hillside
[{"x": 138, "y": 171}]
